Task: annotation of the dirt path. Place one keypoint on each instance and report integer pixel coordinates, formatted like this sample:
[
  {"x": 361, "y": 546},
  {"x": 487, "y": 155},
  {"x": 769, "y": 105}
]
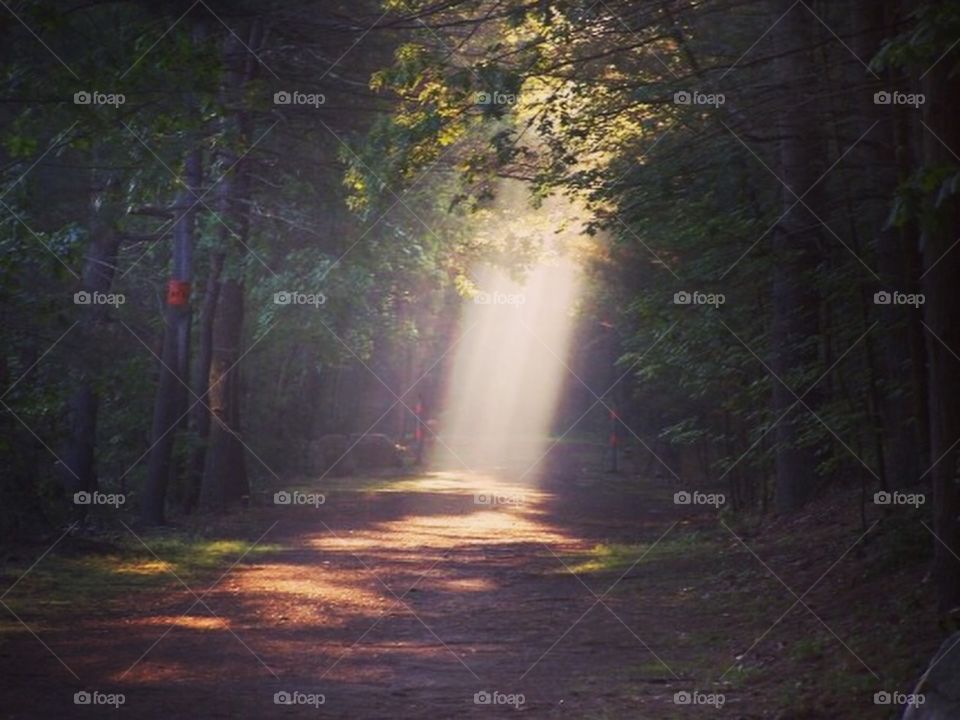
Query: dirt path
[{"x": 409, "y": 602}]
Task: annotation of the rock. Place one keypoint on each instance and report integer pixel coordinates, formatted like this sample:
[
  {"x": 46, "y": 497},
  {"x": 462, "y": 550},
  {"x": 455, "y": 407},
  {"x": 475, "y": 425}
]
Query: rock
[
  {"x": 939, "y": 686},
  {"x": 375, "y": 452},
  {"x": 331, "y": 454},
  {"x": 345, "y": 454}
]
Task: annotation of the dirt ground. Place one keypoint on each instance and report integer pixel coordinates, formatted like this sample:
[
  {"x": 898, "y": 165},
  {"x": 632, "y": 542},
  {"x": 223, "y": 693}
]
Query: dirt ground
[{"x": 407, "y": 601}]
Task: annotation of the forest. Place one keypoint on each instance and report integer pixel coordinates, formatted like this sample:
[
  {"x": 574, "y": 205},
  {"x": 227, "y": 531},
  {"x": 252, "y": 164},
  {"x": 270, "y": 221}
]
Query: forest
[{"x": 444, "y": 358}]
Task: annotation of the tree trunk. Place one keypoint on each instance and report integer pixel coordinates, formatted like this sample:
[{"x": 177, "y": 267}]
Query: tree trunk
[
  {"x": 941, "y": 269},
  {"x": 225, "y": 479},
  {"x": 881, "y": 157},
  {"x": 796, "y": 249},
  {"x": 79, "y": 454},
  {"x": 174, "y": 369},
  {"x": 200, "y": 415}
]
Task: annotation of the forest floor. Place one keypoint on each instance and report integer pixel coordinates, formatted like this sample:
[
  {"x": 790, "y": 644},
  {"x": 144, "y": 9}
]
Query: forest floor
[{"x": 589, "y": 595}]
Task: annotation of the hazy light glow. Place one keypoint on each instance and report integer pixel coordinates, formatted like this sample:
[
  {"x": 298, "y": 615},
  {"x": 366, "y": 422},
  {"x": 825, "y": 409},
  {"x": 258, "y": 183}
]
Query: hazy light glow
[{"x": 509, "y": 369}]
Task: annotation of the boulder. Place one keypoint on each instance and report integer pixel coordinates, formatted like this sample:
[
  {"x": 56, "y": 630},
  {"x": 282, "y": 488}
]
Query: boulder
[
  {"x": 346, "y": 454},
  {"x": 331, "y": 454},
  {"x": 375, "y": 452},
  {"x": 939, "y": 686}
]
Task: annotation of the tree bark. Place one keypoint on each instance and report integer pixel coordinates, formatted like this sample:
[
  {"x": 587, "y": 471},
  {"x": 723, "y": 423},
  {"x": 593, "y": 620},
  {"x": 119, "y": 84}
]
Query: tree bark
[
  {"x": 225, "y": 479},
  {"x": 941, "y": 263},
  {"x": 882, "y": 157},
  {"x": 200, "y": 415},
  {"x": 225, "y": 476},
  {"x": 796, "y": 248},
  {"x": 79, "y": 455},
  {"x": 174, "y": 367}
]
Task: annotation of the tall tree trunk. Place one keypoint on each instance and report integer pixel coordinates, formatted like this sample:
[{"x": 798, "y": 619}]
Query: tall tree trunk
[
  {"x": 941, "y": 263},
  {"x": 880, "y": 157},
  {"x": 79, "y": 454},
  {"x": 174, "y": 369},
  {"x": 796, "y": 249},
  {"x": 200, "y": 415},
  {"x": 225, "y": 477}
]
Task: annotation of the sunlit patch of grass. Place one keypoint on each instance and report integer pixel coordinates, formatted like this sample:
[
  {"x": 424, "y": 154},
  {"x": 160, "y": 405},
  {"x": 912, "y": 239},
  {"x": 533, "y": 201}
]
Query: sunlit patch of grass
[
  {"x": 422, "y": 481},
  {"x": 191, "y": 554},
  {"x": 141, "y": 567},
  {"x": 426, "y": 481},
  {"x": 610, "y": 557},
  {"x": 90, "y": 583},
  {"x": 352, "y": 483}
]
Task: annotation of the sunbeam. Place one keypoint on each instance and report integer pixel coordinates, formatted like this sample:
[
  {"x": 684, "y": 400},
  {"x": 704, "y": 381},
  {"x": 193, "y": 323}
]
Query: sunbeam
[{"x": 509, "y": 370}]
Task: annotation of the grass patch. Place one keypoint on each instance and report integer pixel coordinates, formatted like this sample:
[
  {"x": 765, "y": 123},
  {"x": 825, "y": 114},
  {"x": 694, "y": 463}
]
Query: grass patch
[
  {"x": 610, "y": 557},
  {"x": 422, "y": 481},
  {"x": 88, "y": 577},
  {"x": 807, "y": 649}
]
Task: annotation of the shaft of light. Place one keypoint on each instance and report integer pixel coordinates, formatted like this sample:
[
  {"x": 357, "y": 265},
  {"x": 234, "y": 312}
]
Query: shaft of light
[{"x": 509, "y": 370}]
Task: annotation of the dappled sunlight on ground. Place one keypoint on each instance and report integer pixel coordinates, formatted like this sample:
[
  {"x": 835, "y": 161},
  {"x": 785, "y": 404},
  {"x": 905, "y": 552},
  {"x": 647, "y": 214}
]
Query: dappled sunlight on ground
[
  {"x": 191, "y": 622},
  {"x": 176, "y": 672},
  {"x": 391, "y": 602},
  {"x": 459, "y": 585},
  {"x": 445, "y": 482},
  {"x": 493, "y": 527},
  {"x": 328, "y": 587},
  {"x": 142, "y": 567},
  {"x": 310, "y": 593},
  {"x": 388, "y": 599}
]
